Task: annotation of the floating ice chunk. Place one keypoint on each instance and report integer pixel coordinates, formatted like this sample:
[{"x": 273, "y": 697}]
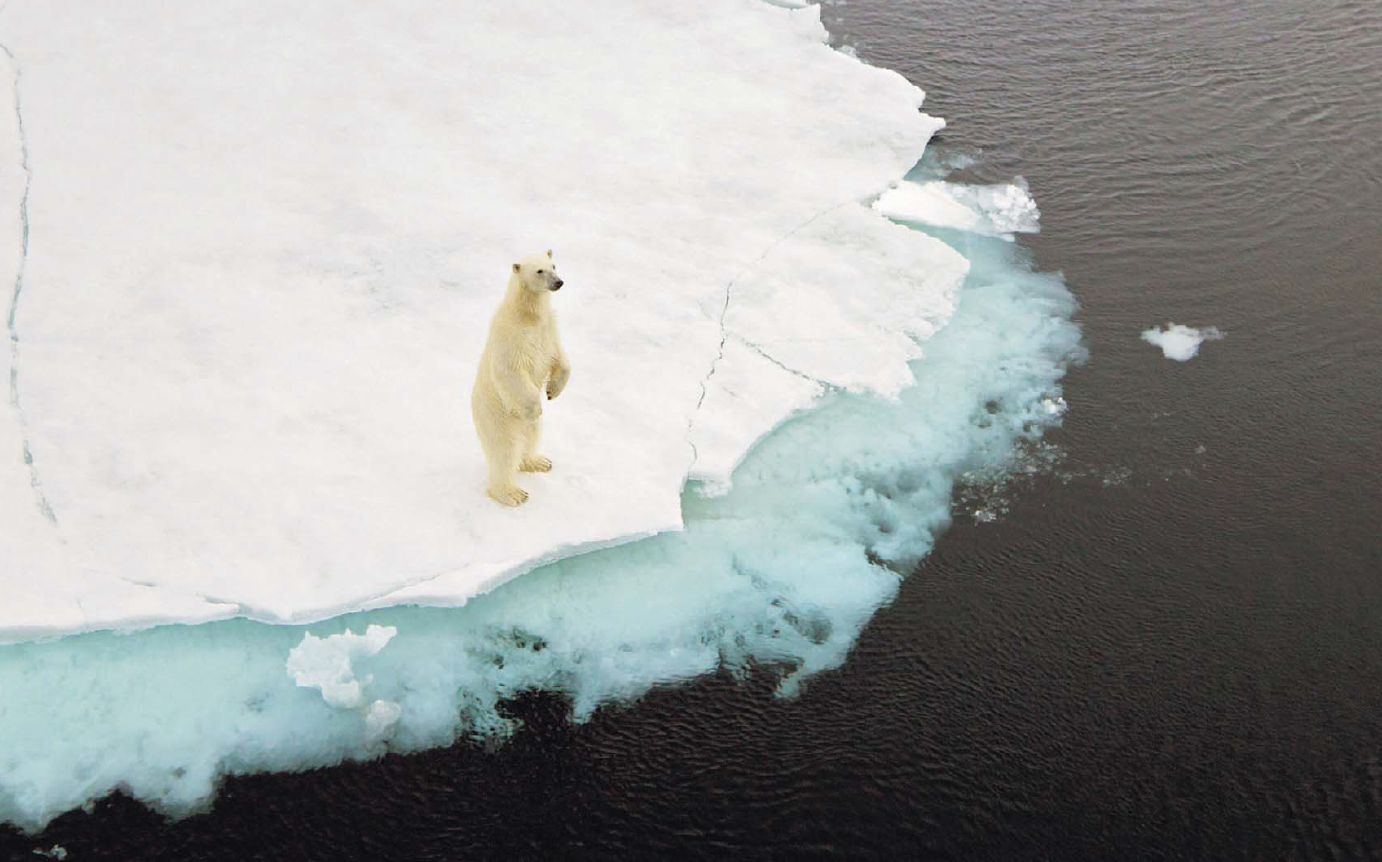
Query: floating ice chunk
[
  {"x": 1179, "y": 342},
  {"x": 995, "y": 210},
  {"x": 327, "y": 664},
  {"x": 1009, "y": 208}
]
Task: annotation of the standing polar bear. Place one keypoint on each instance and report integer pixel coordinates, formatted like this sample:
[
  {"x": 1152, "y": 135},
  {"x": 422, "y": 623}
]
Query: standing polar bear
[{"x": 522, "y": 358}]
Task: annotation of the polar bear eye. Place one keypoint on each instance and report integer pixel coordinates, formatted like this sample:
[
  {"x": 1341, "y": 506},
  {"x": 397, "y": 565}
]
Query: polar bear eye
[{"x": 541, "y": 271}]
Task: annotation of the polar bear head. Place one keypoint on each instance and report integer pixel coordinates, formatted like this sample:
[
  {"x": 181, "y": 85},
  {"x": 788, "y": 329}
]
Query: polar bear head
[{"x": 538, "y": 273}]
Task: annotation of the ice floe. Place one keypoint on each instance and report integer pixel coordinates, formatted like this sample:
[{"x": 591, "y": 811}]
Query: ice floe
[{"x": 263, "y": 249}]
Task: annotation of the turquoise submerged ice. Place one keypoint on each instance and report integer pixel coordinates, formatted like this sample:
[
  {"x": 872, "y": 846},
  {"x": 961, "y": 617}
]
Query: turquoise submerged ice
[{"x": 824, "y": 517}]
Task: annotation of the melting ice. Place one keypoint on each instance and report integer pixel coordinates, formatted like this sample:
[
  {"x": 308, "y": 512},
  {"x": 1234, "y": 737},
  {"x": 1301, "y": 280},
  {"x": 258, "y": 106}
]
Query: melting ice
[
  {"x": 254, "y": 404},
  {"x": 1180, "y": 342}
]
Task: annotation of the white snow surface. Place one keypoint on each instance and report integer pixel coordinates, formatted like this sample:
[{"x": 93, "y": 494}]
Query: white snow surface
[
  {"x": 1180, "y": 342},
  {"x": 997, "y": 210},
  {"x": 255, "y": 248}
]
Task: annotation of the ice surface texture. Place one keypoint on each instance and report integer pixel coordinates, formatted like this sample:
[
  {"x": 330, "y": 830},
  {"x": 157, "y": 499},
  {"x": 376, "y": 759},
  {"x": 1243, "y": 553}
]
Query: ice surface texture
[
  {"x": 258, "y": 251},
  {"x": 1180, "y": 342}
]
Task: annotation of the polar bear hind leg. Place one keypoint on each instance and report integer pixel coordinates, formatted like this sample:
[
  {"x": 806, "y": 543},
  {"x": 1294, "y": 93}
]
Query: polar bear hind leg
[
  {"x": 502, "y": 450},
  {"x": 531, "y": 461}
]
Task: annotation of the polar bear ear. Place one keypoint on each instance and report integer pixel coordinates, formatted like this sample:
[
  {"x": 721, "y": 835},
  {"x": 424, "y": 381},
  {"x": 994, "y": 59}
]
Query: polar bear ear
[
  {"x": 515, "y": 267},
  {"x": 549, "y": 252}
]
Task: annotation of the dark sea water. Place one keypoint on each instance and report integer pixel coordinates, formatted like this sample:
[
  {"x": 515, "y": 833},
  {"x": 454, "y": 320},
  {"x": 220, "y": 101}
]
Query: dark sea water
[{"x": 1169, "y": 646}]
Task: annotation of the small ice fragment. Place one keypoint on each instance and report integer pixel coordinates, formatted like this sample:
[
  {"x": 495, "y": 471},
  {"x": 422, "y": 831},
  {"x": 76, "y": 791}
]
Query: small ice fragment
[
  {"x": 1009, "y": 207},
  {"x": 1179, "y": 342},
  {"x": 326, "y": 663}
]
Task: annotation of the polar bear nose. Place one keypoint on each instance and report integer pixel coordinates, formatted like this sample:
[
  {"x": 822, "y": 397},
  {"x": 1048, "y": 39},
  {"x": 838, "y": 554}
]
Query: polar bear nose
[{"x": 556, "y": 285}]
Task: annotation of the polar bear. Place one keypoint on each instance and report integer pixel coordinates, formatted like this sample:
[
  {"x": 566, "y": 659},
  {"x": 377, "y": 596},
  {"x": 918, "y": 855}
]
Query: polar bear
[{"x": 522, "y": 359}]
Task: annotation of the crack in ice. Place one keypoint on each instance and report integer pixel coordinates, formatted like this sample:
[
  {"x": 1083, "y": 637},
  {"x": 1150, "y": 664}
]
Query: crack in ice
[
  {"x": 780, "y": 364},
  {"x": 39, "y": 498},
  {"x": 724, "y": 333}
]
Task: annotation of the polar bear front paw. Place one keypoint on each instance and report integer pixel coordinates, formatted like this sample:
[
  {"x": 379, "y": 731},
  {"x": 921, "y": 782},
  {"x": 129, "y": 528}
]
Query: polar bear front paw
[
  {"x": 511, "y": 496},
  {"x": 535, "y": 464}
]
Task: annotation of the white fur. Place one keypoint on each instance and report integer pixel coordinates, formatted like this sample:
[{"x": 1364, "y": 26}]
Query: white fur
[{"x": 522, "y": 360}]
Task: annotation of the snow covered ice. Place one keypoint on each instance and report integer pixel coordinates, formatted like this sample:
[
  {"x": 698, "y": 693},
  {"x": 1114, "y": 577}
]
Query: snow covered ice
[
  {"x": 1180, "y": 342},
  {"x": 261, "y": 253}
]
